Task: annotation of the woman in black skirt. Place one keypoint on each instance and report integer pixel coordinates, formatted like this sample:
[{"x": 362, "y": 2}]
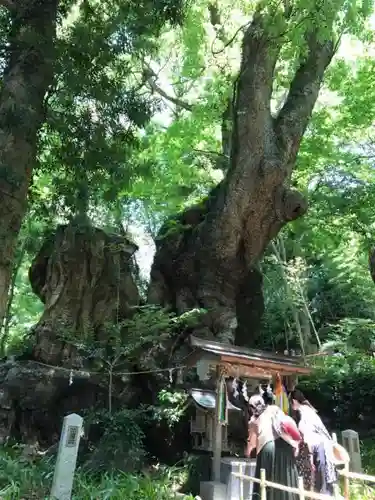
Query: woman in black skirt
[{"x": 275, "y": 448}]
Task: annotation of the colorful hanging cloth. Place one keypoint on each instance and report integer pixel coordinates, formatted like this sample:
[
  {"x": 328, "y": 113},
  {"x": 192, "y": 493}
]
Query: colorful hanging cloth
[
  {"x": 223, "y": 403},
  {"x": 281, "y": 395}
]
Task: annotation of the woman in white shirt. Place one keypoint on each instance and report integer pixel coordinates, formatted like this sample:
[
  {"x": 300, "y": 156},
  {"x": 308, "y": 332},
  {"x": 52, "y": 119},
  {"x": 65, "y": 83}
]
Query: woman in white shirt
[{"x": 318, "y": 442}]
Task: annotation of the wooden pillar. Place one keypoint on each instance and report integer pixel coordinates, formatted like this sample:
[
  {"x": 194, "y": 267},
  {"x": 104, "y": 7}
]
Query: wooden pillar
[
  {"x": 346, "y": 482},
  {"x": 218, "y": 433}
]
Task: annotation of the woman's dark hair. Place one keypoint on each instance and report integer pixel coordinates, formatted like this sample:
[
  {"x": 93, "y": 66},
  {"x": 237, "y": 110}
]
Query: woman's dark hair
[
  {"x": 268, "y": 396},
  {"x": 297, "y": 416},
  {"x": 299, "y": 396}
]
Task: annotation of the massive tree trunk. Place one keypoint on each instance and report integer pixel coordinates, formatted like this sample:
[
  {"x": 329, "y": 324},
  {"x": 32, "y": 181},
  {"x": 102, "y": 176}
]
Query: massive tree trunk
[
  {"x": 83, "y": 276},
  {"x": 205, "y": 260},
  {"x": 27, "y": 76}
]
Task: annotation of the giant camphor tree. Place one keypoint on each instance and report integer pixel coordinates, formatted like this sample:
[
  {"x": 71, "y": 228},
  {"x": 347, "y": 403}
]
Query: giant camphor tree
[
  {"x": 41, "y": 55},
  {"x": 206, "y": 255},
  {"x": 207, "y": 261},
  {"x": 77, "y": 141}
]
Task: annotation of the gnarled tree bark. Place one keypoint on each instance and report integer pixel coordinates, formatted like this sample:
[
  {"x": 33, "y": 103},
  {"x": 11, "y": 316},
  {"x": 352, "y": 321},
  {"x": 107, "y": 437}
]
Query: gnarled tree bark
[
  {"x": 27, "y": 76},
  {"x": 83, "y": 276},
  {"x": 206, "y": 263}
]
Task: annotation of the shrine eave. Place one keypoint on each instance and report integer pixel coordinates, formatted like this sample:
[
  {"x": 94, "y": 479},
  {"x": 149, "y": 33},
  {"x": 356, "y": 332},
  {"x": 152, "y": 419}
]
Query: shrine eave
[
  {"x": 206, "y": 399},
  {"x": 245, "y": 361}
]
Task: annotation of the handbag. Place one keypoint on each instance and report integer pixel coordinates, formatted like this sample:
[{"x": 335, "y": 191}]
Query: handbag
[
  {"x": 340, "y": 453},
  {"x": 289, "y": 427},
  {"x": 285, "y": 425}
]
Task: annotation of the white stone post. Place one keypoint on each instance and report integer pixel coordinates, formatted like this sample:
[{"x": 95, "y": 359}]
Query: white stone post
[
  {"x": 350, "y": 441},
  {"x": 67, "y": 457}
]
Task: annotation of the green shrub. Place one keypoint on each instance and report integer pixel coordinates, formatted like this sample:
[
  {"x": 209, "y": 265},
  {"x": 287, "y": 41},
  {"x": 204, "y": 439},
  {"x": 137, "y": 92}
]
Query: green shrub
[
  {"x": 343, "y": 390},
  {"x": 121, "y": 441},
  {"x": 21, "y": 479},
  {"x": 361, "y": 491},
  {"x": 368, "y": 455}
]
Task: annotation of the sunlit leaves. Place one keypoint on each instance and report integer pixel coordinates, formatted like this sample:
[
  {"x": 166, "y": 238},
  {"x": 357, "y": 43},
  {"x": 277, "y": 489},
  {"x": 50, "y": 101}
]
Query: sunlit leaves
[
  {"x": 98, "y": 134},
  {"x": 194, "y": 40},
  {"x": 359, "y": 94},
  {"x": 99, "y": 104}
]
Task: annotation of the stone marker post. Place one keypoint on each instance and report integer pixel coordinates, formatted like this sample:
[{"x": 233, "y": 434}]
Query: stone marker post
[
  {"x": 67, "y": 457},
  {"x": 350, "y": 441}
]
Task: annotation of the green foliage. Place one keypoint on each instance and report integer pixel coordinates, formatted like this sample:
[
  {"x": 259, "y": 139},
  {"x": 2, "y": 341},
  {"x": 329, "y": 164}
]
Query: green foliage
[
  {"x": 335, "y": 170},
  {"x": 331, "y": 286},
  {"x": 21, "y": 479},
  {"x": 356, "y": 334},
  {"x": 171, "y": 406},
  {"x": 24, "y": 307},
  {"x": 121, "y": 445},
  {"x": 172, "y": 226},
  {"x": 343, "y": 389},
  {"x": 97, "y": 105},
  {"x": 361, "y": 491},
  {"x": 117, "y": 149},
  {"x": 136, "y": 340},
  {"x": 139, "y": 343},
  {"x": 114, "y": 146},
  {"x": 368, "y": 455}
]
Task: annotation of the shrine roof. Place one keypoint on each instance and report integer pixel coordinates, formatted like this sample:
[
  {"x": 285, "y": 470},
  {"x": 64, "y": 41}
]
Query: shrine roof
[{"x": 261, "y": 362}]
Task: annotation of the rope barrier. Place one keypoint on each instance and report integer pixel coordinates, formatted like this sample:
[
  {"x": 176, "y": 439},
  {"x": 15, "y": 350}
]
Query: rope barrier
[{"x": 89, "y": 372}]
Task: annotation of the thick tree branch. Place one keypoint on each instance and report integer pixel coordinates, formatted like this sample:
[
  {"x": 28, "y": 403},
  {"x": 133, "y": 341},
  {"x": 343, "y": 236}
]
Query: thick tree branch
[
  {"x": 150, "y": 77},
  {"x": 254, "y": 88},
  {"x": 173, "y": 100},
  {"x": 294, "y": 116},
  {"x": 26, "y": 78},
  {"x": 227, "y": 116}
]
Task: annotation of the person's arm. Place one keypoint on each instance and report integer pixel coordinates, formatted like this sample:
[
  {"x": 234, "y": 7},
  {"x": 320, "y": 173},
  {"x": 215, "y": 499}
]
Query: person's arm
[
  {"x": 251, "y": 438},
  {"x": 306, "y": 430}
]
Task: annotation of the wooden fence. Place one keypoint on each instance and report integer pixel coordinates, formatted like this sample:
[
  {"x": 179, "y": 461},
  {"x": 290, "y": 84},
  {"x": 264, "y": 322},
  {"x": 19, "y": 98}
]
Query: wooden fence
[
  {"x": 347, "y": 476},
  {"x": 300, "y": 491}
]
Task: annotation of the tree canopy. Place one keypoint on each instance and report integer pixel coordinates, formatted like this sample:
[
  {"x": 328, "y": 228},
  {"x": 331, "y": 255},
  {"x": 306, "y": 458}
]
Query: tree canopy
[
  {"x": 175, "y": 166},
  {"x": 137, "y": 127}
]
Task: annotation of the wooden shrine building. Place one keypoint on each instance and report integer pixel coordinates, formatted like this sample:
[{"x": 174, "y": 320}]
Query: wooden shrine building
[{"x": 216, "y": 362}]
